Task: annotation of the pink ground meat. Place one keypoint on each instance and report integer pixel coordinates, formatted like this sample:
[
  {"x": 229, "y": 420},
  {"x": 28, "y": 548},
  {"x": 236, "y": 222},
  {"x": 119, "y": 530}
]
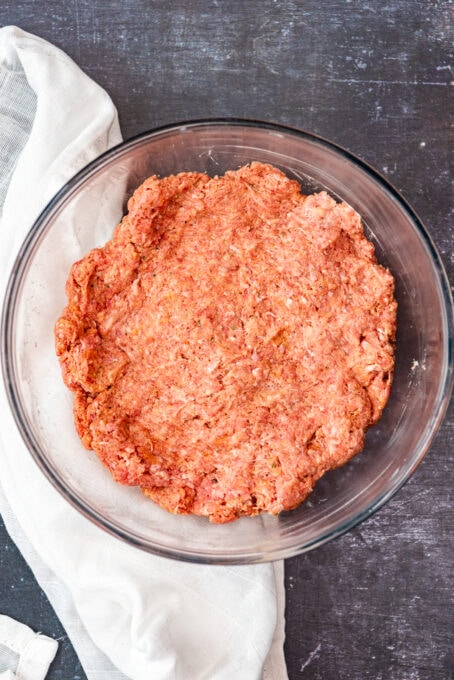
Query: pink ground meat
[{"x": 231, "y": 343}]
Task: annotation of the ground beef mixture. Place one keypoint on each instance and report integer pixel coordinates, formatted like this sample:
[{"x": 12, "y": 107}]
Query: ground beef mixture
[{"x": 230, "y": 344}]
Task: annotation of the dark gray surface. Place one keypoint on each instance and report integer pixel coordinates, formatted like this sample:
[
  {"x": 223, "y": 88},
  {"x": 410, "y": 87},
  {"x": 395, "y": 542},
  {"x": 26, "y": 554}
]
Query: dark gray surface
[{"x": 375, "y": 77}]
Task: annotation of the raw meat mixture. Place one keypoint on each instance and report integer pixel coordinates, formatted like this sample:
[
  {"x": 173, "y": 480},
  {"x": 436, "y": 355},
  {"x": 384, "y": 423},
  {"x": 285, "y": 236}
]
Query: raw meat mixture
[{"x": 230, "y": 344}]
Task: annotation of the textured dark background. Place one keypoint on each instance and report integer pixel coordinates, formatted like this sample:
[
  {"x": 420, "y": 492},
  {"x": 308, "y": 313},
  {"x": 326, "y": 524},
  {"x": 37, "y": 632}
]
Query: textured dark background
[{"x": 375, "y": 77}]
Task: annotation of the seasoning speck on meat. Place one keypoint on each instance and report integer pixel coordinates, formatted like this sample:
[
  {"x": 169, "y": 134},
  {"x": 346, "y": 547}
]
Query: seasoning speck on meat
[{"x": 231, "y": 343}]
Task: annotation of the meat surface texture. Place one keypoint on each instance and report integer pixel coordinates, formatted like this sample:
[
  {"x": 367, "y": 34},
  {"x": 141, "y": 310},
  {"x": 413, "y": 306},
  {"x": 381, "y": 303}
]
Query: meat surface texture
[{"x": 231, "y": 343}]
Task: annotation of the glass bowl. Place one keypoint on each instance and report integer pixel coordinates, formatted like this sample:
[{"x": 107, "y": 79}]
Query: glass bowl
[{"x": 83, "y": 214}]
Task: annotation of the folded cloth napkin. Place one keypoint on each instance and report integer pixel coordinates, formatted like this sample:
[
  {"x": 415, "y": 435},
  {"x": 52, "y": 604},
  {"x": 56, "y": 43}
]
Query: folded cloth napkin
[
  {"x": 128, "y": 614},
  {"x": 28, "y": 652}
]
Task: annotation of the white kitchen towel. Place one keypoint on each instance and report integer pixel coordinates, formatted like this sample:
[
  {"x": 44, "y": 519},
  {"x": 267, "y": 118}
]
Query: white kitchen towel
[{"x": 128, "y": 614}]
